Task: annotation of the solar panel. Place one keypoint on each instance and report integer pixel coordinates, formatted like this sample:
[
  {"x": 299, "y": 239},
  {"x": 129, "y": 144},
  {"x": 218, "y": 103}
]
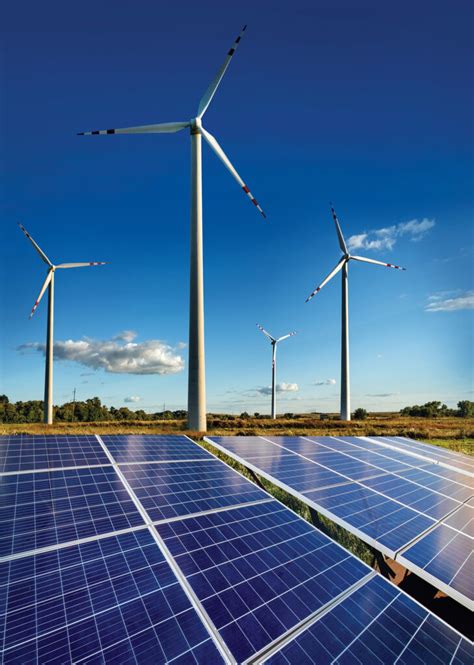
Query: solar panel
[
  {"x": 29, "y": 453},
  {"x": 391, "y": 511},
  {"x": 377, "y": 623},
  {"x": 150, "y": 448},
  {"x": 48, "y": 508},
  {"x": 110, "y": 600},
  {"x": 174, "y": 489},
  {"x": 160, "y": 561},
  {"x": 448, "y": 458},
  {"x": 259, "y": 571},
  {"x": 445, "y": 555}
]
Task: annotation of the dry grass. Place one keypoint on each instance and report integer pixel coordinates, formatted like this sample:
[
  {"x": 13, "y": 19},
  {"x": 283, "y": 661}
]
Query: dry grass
[{"x": 455, "y": 433}]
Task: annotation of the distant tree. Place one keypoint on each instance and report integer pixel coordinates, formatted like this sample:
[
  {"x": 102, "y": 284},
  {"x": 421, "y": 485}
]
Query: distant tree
[
  {"x": 466, "y": 409},
  {"x": 245, "y": 415},
  {"x": 360, "y": 414}
]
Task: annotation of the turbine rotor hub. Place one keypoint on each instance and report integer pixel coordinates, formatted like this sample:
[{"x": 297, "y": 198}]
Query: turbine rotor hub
[{"x": 196, "y": 125}]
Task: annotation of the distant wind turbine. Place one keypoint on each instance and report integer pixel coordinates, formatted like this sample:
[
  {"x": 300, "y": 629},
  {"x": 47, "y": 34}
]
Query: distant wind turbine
[
  {"x": 274, "y": 341},
  {"x": 344, "y": 266},
  {"x": 49, "y": 282},
  {"x": 196, "y": 369}
]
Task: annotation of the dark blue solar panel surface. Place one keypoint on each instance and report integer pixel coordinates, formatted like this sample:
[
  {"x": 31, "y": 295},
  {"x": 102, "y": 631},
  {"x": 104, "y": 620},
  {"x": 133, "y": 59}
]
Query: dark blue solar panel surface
[
  {"x": 114, "y": 600},
  {"x": 29, "y": 453},
  {"x": 175, "y": 489},
  {"x": 47, "y": 508},
  {"x": 374, "y": 516},
  {"x": 259, "y": 570},
  {"x": 376, "y": 624},
  {"x": 138, "y": 448}
]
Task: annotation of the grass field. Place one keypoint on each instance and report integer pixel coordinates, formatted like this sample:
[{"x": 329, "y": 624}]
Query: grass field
[{"x": 454, "y": 433}]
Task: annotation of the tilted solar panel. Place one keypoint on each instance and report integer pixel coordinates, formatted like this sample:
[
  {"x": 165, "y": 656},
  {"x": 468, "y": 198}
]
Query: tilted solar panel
[
  {"x": 399, "y": 512},
  {"x": 259, "y": 571},
  {"x": 113, "y": 600},
  {"x": 52, "y": 507},
  {"x": 375, "y": 624},
  {"x": 199, "y": 566},
  {"x": 136, "y": 448},
  {"x": 447, "y": 458},
  {"x": 29, "y": 453}
]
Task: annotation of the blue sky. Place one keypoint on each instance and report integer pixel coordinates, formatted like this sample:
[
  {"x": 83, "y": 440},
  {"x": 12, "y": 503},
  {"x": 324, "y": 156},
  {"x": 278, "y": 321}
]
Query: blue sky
[{"x": 369, "y": 107}]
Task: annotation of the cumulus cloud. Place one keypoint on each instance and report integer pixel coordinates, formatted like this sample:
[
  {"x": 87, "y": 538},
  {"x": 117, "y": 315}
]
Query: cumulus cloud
[
  {"x": 386, "y": 238},
  {"x": 280, "y": 388},
  {"x": 119, "y": 355},
  {"x": 131, "y": 399},
  {"x": 325, "y": 382},
  {"x": 447, "y": 301}
]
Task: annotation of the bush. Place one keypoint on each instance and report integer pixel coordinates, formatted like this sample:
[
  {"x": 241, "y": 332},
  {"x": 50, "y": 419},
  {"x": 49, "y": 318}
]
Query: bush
[{"x": 359, "y": 414}]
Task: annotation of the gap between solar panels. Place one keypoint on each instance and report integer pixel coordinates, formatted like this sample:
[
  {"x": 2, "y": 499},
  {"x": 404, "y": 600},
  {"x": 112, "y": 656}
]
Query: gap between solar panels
[{"x": 349, "y": 487}]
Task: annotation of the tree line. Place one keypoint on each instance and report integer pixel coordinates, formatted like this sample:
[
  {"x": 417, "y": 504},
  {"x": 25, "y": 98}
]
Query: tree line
[{"x": 92, "y": 410}]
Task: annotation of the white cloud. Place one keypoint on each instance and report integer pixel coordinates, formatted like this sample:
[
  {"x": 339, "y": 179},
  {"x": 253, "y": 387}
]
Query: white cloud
[
  {"x": 386, "y": 237},
  {"x": 325, "y": 382},
  {"x": 117, "y": 356},
  {"x": 132, "y": 398},
  {"x": 126, "y": 336},
  {"x": 442, "y": 302},
  {"x": 280, "y": 388}
]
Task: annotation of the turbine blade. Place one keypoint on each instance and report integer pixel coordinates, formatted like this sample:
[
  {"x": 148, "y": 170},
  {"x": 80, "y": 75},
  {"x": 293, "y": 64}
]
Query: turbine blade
[
  {"x": 81, "y": 265},
  {"x": 163, "y": 128},
  {"x": 43, "y": 289},
  {"x": 223, "y": 157},
  {"x": 210, "y": 92},
  {"x": 378, "y": 263},
  {"x": 342, "y": 242},
  {"x": 36, "y": 246},
  {"x": 280, "y": 339},
  {"x": 329, "y": 277},
  {"x": 267, "y": 334}
]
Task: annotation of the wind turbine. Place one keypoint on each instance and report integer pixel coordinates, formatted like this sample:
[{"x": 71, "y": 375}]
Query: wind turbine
[
  {"x": 343, "y": 265},
  {"x": 274, "y": 341},
  {"x": 49, "y": 282},
  {"x": 196, "y": 369}
]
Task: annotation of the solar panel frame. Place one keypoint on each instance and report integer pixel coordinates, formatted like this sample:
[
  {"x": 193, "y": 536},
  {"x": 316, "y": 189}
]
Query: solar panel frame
[{"x": 139, "y": 448}]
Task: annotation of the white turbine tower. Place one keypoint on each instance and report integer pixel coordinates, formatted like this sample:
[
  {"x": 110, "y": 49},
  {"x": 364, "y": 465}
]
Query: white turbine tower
[
  {"x": 196, "y": 369},
  {"x": 344, "y": 266},
  {"x": 49, "y": 282},
  {"x": 274, "y": 341}
]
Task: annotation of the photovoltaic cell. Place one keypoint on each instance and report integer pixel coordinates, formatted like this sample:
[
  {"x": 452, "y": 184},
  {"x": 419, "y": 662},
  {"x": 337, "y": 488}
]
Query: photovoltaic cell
[
  {"x": 30, "y": 453},
  {"x": 151, "y": 448},
  {"x": 376, "y": 624},
  {"x": 175, "y": 489},
  {"x": 114, "y": 600},
  {"x": 43, "y": 509},
  {"x": 259, "y": 571}
]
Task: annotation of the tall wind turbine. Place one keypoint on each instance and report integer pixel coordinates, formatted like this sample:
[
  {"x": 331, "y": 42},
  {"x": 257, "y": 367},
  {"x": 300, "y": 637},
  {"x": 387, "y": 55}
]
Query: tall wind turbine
[
  {"x": 49, "y": 284},
  {"x": 196, "y": 369},
  {"x": 274, "y": 341},
  {"x": 343, "y": 265}
]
